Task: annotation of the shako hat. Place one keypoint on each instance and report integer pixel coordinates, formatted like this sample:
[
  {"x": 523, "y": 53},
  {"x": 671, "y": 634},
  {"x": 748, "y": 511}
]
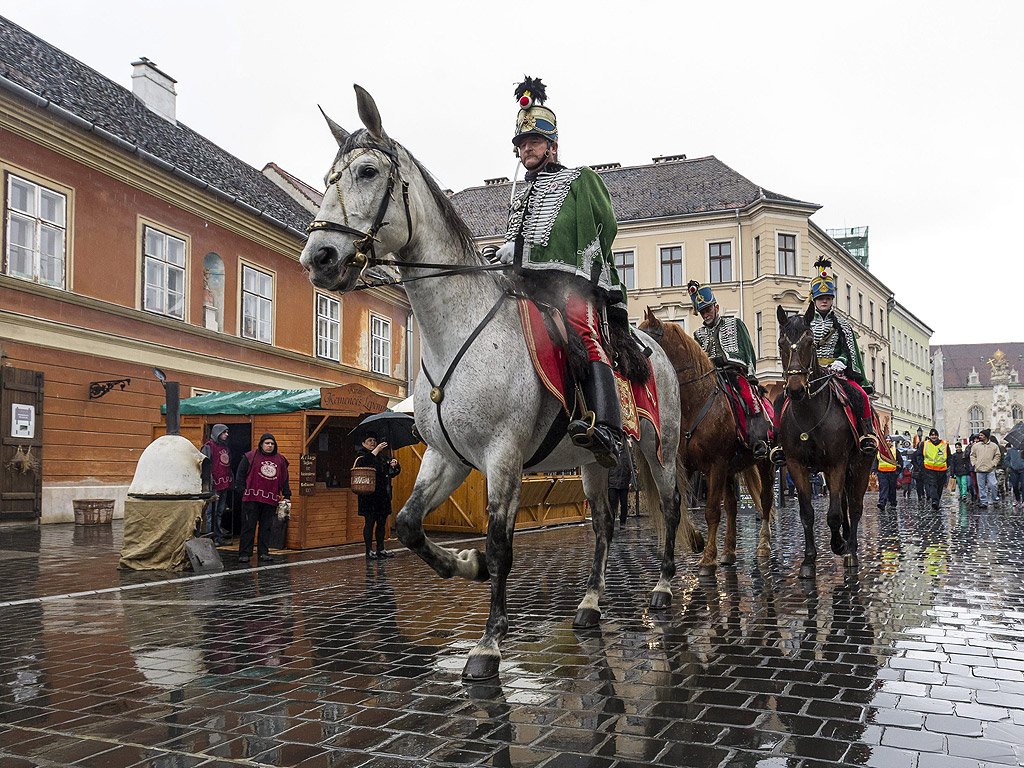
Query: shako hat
[
  {"x": 701, "y": 296},
  {"x": 823, "y": 284},
  {"x": 533, "y": 119}
]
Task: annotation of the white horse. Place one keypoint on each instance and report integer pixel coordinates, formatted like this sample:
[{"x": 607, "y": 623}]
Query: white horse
[{"x": 478, "y": 401}]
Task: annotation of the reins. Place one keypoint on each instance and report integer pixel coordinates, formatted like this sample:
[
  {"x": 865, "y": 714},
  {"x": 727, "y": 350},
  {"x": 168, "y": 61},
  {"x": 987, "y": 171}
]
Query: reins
[
  {"x": 826, "y": 378},
  {"x": 706, "y": 407}
]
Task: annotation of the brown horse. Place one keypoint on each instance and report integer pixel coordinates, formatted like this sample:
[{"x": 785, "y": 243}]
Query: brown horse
[
  {"x": 814, "y": 431},
  {"x": 708, "y": 443}
]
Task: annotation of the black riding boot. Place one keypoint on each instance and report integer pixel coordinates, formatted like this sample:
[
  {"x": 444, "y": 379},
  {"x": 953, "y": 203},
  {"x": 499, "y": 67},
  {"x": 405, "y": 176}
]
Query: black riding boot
[
  {"x": 600, "y": 429},
  {"x": 868, "y": 441},
  {"x": 757, "y": 436}
]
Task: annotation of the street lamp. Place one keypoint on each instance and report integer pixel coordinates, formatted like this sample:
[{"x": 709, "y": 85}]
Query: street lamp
[{"x": 920, "y": 433}]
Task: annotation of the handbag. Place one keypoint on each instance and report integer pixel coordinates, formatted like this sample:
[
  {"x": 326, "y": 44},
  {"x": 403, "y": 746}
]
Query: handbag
[{"x": 363, "y": 480}]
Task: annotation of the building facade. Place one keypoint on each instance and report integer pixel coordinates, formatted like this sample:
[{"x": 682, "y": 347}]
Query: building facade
[
  {"x": 130, "y": 242},
  {"x": 697, "y": 219},
  {"x": 978, "y": 386},
  {"x": 913, "y": 411}
]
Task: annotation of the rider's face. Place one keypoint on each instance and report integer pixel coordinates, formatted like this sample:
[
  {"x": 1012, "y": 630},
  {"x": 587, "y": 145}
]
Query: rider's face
[
  {"x": 534, "y": 152},
  {"x": 823, "y": 303},
  {"x": 709, "y": 314}
]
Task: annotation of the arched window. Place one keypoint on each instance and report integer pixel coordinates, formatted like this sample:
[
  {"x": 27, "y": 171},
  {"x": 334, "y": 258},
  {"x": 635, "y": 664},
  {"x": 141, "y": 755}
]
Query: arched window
[
  {"x": 975, "y": 419},
  {"x": 1017, "y": 413},
  {"x": 213, "y": 292}
]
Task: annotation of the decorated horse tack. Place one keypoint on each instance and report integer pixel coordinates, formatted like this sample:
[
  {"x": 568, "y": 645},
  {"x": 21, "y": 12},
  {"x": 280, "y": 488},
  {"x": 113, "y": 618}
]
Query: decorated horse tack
[{"x": 494, "y": 411}]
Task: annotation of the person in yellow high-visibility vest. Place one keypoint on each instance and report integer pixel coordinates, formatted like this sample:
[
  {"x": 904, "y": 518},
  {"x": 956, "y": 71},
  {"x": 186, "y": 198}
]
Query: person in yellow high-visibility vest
[
  {"x": 936, "y": 462},
  {"x": 887, "y": 475}
]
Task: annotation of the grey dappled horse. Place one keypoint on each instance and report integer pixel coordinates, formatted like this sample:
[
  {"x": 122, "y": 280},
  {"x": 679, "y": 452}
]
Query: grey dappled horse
[{"x": 477, "y": 400}]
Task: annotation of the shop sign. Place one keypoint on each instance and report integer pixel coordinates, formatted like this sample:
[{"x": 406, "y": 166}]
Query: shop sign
[
  {"x": 354, "y": 398},
  {"x": 23, "y": 420},
  {"x": 307, "y": 474}
]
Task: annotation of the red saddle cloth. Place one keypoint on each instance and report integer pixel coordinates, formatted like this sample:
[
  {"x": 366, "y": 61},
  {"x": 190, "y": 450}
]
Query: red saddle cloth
[
  {"x": 851, "y": 420},
  {"x": 637, "y": 401},
  {"x": 744, "y": 400}
]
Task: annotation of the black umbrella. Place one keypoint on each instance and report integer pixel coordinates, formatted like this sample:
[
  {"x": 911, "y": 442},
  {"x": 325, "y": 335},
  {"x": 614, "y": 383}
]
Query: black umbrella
[
  {"x": 396, "y": 429},
  {"x": 1015, "y": 437}
]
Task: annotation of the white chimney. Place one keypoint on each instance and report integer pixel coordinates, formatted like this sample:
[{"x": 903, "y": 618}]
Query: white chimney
[{"x": 154, "y": 88}]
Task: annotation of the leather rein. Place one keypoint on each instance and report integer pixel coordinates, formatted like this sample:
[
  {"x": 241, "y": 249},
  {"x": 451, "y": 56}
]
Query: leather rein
[{"x": 706, "y": 407}]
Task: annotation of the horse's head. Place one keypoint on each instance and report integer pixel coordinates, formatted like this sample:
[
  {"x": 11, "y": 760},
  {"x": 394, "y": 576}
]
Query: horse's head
[
  {"x": 652, "y": 326},
  {"x": 366, "y": 209},
  {"x": 796, "y": 348}
]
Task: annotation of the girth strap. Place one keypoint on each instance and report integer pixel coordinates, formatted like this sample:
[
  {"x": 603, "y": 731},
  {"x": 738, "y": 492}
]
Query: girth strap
[
  {"x": 703, "y": 412},
  {"x": 437, "y": 390}
]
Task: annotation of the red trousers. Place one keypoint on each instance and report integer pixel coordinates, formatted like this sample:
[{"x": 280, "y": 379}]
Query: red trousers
[{"x": 583, "y": 319}]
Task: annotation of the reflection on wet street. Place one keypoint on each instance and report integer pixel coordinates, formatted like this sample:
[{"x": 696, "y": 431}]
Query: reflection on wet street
[{"x": 914, "y": 660}]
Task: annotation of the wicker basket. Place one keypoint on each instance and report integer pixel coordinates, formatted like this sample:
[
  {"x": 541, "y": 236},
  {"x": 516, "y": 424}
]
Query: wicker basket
[
  {"x": 363, "y": 480},
  {"x": 93, "y": 511}
]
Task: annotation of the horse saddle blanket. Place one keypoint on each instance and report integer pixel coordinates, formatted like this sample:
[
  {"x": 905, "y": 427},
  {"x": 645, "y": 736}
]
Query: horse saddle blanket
[
  {"x": 746, "y": 403},
  {"x": 550, "y": 361}
]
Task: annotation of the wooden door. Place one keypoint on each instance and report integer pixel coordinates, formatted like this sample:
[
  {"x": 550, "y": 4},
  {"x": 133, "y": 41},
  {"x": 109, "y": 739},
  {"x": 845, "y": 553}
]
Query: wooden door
[{"x": 21, "y": 444}]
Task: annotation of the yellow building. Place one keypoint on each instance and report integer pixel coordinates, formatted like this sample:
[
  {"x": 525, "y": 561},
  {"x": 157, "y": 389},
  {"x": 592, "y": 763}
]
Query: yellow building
[
  {"x": 911, "y": 366},
  {"x": 697, "y": 219}
]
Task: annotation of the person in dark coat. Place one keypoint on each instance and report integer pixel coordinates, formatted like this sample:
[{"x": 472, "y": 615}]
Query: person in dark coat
[
  {"x": 216, "y": 450},
  {"x": 375, "y": 507},
  {"x": 621, "y": 480},
  {"x": 960, "y": 468},
  {"x": 262, "y": 479},
  {"x": 918, "y": 461}
]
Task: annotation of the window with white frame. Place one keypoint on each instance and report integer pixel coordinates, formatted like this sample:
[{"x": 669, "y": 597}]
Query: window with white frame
[
  {"x": 624, "y": 265},
  {"x": 884, "y": 379},
  {"x": 787, "y": 254},
  {"x": 860, "y": 307},
  {"x": 757, "y": 256},
  {"x": 257, "y": 304},
  {"x": 36, "y": 232},
  {"x": 849, "y": 300},
  {"x": 720, "y": 262},
  {"x": 871, "y": 313},
  {"x": 672, "y": 266},
  {"x": 163, "y": 273},
  {"x": 1017, "y": 413},
  {"x": 975, "y": 419},
  {"x": 328, "y": 327},
  {"x": 760, "y": 334},
  {"x": 380, "y": 345}
]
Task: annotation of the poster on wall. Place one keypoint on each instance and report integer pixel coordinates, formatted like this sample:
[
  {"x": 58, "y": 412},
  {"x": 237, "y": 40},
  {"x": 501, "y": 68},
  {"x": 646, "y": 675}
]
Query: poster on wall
[{"x": 23, "y": 420}]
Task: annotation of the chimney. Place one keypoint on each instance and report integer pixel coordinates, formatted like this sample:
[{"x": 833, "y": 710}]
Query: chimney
[
  {"x": 496, "y": 181},
  {"x": 154, "y": 88},
  {"x": 668, "y": 159}
]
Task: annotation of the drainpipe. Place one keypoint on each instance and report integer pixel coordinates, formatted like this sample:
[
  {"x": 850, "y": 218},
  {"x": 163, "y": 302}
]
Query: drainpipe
[{"x": 739, "y": 261}]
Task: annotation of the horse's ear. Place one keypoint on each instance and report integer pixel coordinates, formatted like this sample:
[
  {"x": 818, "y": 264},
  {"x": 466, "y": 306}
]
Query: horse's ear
[
  {"x": 809, "y": 313},
  {"x": 782, "y": 315},
  {"x": 369, "y": 115},
  {"x": 340, "y": 134}
]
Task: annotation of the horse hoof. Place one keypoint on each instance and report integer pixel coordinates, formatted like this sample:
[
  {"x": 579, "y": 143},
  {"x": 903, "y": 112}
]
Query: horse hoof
[
  {"x": 660, "y": 600},
  {"x": 586, "y": 618},
  {"x": 838, "y": 545},
  {"x": 850, "y": 560},
  {"x": 806, "y": 571},
  {"x": 481, "y": 666},
  {"x": 727, "y": 559},
  {"x": 707, "y": 571}
]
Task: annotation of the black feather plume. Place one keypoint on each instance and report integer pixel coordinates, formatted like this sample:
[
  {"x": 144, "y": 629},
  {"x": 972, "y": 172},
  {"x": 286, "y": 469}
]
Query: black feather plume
[
  {"x": 535, "y": 87},
  {"x": 823, "y": 263}
]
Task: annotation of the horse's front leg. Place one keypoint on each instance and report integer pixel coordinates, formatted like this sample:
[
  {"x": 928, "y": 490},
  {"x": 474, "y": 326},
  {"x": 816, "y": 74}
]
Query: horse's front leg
[
  {"x": 763, "y": 474},
  {"x": 836, "y": 503},
  {"x": 730, "y": 502},
  {"x": 713, "y": 515},
  {"x": 857, "y": 484},
  {"x": 595, "y": 487},
  {"x": 436, "y": 481},
  {"x": 503, "y": 487},
  {"x": 802, "y": 482}
]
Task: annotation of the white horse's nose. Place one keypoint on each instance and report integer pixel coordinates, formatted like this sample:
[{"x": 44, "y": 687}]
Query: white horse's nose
[{"x": 324, "y": 257}]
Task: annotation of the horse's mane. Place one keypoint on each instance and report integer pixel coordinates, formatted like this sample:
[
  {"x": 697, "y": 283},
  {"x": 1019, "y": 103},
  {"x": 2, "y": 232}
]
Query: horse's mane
[
  {"x": 362, "y": 139},
  {"x": 674, "y": 334}
]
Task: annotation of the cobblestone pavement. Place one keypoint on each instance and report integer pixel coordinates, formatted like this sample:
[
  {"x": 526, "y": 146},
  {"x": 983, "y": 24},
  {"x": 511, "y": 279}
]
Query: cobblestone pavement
[{"x": 915, "y": 660}]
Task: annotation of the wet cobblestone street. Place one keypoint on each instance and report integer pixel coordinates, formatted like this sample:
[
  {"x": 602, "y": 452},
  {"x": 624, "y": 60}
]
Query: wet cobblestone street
[{"x": 914, "y": 660}]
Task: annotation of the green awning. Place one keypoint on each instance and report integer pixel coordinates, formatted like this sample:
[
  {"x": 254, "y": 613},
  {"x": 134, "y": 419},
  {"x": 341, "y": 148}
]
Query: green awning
[{"x": 249, "y": 403}]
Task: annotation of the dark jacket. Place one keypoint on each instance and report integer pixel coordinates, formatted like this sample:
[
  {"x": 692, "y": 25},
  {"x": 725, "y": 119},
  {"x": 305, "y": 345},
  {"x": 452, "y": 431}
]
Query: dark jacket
[
  {"x": 377, "y": 503},
  {"x": 959, "y": 464},
  {"x": 242, "y": 473},
  {"x": 918, "y": 459},
  {"x": 1014, "y": 460}
]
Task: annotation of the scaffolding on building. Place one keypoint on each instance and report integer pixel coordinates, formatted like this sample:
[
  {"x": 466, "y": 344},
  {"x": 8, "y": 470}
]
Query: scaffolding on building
[{"x": 854, "y": 240}]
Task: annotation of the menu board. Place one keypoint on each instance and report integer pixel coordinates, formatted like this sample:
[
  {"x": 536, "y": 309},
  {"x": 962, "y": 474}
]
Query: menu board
[{"x": 307, "y": 474}]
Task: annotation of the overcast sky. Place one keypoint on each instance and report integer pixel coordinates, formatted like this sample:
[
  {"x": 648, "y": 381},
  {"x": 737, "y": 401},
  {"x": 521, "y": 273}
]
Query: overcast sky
[{"x": 907, "y": 117}]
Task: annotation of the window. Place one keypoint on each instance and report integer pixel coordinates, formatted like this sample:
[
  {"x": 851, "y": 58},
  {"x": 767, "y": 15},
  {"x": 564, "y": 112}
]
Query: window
[
  {"x": 881, "y": 319},
  {"x": 757, "y": 256},
  {"x": 163, "y": 273},
  {"x": 873, "y": 364},
  {"x": 860, "y": 307},
  {"x": 672, "y": 266},
  {"x": 721, "y": 262},
  {"x": 328, "y": 327},
  {"x": 380, "y": 345},
  {"x": 899, "y": 344},
  {"x": 760, "y": 335},
  {"x": 257, "y": 305},
  {"x": 213, "y": 292},
  {"x": 849, "y": 300},
  {"x": 1017, "y": 413},
  {"x": 787, "y": 254},
  {"x": 975, "y": 419},
  {"x": 884, "y": 380},
  {"x": 36, "y": 232},
  {"x": 871, "y": 313},
  {"x": 624, "y": 264}
]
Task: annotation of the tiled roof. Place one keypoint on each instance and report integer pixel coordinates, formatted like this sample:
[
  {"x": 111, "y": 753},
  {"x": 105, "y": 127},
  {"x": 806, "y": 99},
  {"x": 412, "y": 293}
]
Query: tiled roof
[
  {"x": 314, "y": 195},
  {"x": 959, "y": 359},
  {"x": 51, "y": 74},
  {"x": 700, "y": 185}
]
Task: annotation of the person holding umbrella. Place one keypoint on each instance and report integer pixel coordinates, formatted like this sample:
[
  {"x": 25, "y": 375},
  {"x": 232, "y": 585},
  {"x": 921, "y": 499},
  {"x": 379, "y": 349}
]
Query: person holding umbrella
[{"x": 375, "y": 507}]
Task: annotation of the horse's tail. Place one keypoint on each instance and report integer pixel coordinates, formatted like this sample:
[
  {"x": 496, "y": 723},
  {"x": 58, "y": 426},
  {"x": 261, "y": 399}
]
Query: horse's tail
[{"x": 688, "y": 538}]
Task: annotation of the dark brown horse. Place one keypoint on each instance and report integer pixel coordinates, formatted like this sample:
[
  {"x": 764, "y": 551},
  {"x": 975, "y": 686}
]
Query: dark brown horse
[
  {"x": 708, "y": 443},
  {"x": 814, "y": 431}
]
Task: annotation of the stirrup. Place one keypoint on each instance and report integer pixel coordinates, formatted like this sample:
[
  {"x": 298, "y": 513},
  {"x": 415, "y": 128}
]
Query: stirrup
[
  {"x": 760, "y": 450},
  {"x": 777, "y": 456},
  {"x": 581, "y": 433},
  {"x": 868, "y": 444}
]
